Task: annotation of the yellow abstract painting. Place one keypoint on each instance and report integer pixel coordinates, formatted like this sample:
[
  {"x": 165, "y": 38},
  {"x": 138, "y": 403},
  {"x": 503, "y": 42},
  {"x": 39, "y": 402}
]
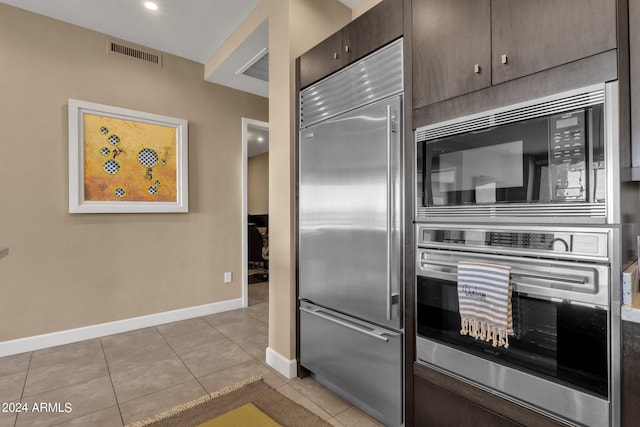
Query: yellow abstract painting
[{"x": 127, "y": 160}]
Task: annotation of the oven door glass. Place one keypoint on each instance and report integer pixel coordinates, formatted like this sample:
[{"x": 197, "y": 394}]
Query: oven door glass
[{"x": 563, "y": 342}]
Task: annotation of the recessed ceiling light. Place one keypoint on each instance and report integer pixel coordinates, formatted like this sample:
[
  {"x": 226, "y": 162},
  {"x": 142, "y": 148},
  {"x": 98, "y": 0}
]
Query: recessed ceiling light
[
  {"x": 151, "y": 5},
  {"x": 260, "y": 139}
]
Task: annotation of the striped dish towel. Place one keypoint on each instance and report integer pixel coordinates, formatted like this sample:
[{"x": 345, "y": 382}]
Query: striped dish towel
[{"x": 484, "y": 294}]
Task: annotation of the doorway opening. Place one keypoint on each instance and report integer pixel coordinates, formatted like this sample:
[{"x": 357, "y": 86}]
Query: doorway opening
[{"x": 255, "y": 210}]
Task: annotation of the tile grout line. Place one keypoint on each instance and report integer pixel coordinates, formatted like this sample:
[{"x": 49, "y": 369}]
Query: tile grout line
[
  {"x": 24, "y": 386},
  {"x": 306, "y": 397},
  {"x": 230, "y": 338},
  {"x": 151, "y": 393},
  {"x": 190, "y": 371},
  {"x": 164, "y": 389},
  {"x": 184, "y": 364},
  {"x": 69, "y": 385},
  {"x": 182, "y": 361},
  {"x": 310, "y": 397},
  {"x": 104, "y": 355}
]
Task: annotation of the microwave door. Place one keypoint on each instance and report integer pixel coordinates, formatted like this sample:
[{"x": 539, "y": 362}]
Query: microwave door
[{"x": 497, "y": 165}]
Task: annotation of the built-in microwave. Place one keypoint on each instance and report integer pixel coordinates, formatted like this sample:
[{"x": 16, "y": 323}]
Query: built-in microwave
[{"x": 543, "y": 159}]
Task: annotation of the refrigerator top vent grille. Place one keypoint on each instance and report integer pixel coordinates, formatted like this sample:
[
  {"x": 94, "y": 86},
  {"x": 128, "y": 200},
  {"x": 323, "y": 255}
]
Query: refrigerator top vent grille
[
  {"x": 573, "y": 100},
  {"x": 370, "y": 79}
]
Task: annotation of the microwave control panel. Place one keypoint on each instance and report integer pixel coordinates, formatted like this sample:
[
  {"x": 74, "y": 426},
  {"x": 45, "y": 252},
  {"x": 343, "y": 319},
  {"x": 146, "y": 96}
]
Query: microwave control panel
[{"x": 567, "y": 156}]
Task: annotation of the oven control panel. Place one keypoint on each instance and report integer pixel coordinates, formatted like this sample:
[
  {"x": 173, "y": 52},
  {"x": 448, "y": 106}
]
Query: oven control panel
[{"x": 544, "y": 242}]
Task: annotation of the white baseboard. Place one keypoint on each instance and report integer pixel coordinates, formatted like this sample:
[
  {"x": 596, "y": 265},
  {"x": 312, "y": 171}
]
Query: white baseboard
[
  {"x": 38, "y": 342},
  {"x": 288, "y": 368}
]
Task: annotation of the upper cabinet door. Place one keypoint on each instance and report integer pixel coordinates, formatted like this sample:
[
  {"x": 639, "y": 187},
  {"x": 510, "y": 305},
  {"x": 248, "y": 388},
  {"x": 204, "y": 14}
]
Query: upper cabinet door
[
  {"x": 321, "y": 60},
  {"x": 372, "y": 30},
  {"x": 378, "y": 26},
  {"x": 534, "y": 35},
  {"x": 451, "y": 48}
]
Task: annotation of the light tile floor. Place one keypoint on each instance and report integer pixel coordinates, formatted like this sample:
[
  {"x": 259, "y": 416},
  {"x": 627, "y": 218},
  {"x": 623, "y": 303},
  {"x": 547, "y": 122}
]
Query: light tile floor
[{"x": 119, "y": 379}]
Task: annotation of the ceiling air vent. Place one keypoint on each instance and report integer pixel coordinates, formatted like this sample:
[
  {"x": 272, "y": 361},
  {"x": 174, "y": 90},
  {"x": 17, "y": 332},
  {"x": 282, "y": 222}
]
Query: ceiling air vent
[
  {"x": 135, "y": 52},
  {"x": 257, "y": 67}
]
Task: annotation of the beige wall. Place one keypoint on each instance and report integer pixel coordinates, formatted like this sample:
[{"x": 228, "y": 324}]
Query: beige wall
[
  {"x": 67, "y": 271},
  {"x": 258, "y": 184}
]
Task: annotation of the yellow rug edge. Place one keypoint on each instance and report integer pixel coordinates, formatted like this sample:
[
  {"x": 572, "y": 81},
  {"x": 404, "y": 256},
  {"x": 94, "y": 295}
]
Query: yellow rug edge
[{"x": 196, "y": 402}]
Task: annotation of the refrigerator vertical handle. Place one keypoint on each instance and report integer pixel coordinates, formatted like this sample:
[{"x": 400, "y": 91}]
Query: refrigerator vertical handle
[{"x": 390, "y": 210}]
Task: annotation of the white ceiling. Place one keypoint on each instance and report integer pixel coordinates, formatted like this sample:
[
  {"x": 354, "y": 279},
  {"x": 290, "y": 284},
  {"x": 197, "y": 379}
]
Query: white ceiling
[{"x": 192, "y": 29}]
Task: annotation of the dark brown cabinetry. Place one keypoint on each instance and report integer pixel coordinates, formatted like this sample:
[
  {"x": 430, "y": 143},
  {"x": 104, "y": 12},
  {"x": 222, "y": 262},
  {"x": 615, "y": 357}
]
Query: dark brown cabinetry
[
  {"x": 534, "y": 35},
  {"x": 321, "y": 60},
  {"x": 451, "y": 48},
  {"x": 440, "y": 400},
  {"x": 372, "y": 30},
  {"x": 630, "y": 373},
  {"x": 461, "y": 46},
  {"x": 380, "y": 25},
  {"x": 438, "y": 407},
  {"x": 634, "y": 58}
]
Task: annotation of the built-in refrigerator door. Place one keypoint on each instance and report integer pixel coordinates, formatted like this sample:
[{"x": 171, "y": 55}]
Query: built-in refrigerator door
[
  {"x": 350, "y": 253},
  {"x": 358, "y": 361}
]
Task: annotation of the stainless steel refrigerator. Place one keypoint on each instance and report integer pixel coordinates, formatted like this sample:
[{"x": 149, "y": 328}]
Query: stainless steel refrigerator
[{"x": 350, "y": 233}]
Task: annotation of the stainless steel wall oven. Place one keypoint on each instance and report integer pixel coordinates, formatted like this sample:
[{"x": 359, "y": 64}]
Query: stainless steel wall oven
[
  {"x": 559, "y": 360},
  {"x": 535, "y": 187}
]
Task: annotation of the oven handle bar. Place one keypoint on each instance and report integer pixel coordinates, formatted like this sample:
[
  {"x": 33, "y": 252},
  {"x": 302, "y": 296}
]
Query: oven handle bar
[
  {"x": 520, "y": 273},
  {"x": 376, "y": 333},
  {"x": 556, "y": 278}
]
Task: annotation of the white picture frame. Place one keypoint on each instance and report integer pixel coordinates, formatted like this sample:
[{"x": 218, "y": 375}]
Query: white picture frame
[{"x": 126, "y": 161}]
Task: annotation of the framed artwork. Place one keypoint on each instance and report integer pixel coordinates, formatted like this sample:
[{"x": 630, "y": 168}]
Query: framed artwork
[{"x": 123, "y": 160}]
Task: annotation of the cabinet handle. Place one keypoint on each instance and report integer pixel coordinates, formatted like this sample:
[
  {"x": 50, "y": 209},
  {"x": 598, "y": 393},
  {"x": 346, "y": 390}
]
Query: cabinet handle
[
  {"x": 504, "y": 58},
  {"x": 476, "y": 68},
  {"x": 335, "y": 55},
  {"x": 347, "y": 49}
]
